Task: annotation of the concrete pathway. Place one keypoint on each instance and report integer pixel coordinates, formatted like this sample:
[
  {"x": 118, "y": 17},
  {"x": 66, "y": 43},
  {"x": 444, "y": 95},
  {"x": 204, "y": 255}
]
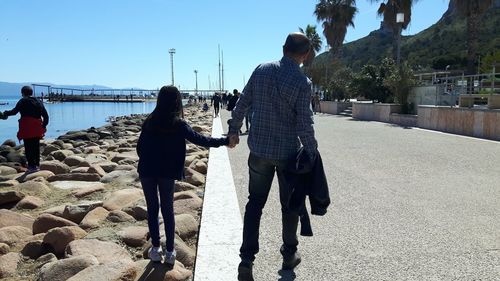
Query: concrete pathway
[{"x": 407, "y": 204}]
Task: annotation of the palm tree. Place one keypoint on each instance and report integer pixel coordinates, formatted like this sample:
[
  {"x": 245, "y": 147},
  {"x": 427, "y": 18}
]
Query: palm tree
[
  {"x": 472, "y": 10},
  {"x": 388, "y": 10},
  {"x": 337, "y": 16},
  {"x": 315, "y": 40}
]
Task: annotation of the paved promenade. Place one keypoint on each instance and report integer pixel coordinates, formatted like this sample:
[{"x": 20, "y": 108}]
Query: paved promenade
[{"x": 407, "y": 204}]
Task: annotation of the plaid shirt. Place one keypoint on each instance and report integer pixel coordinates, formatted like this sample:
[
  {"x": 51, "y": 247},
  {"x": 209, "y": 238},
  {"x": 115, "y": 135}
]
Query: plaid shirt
[{"x": 280, "y": 97}]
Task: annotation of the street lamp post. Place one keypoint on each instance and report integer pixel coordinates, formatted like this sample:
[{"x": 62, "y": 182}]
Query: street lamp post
[
  {"x": 400, "y": 18},
  {"x": 172, "y": 52},
  {"x": 196, "y": 79}
]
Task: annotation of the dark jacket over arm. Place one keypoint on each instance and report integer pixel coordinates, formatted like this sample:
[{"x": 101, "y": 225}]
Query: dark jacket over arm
[{"x": 307, "y": 179}]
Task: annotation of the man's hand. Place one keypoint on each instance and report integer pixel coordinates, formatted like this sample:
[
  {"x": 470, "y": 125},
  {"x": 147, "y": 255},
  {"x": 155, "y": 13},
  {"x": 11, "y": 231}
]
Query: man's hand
[{"x": 234, "y": 139}]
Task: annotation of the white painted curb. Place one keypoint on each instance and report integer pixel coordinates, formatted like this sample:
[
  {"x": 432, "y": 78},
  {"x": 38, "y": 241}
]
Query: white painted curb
[{"x": 221, "y": 227}]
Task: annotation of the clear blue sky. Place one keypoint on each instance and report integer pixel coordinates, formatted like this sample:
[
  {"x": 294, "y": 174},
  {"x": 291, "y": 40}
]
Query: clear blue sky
[{"x": 124, "y": 43}]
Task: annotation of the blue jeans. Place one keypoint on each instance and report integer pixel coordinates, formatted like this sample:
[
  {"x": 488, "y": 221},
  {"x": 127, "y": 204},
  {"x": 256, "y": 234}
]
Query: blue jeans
[
  {"x": 261, "y": 177},
  {"x": 165, "y": 186}
]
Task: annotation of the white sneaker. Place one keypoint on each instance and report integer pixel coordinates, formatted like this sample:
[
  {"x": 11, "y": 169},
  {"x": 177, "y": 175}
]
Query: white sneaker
[
  {"x": 155, "y": 254},
  {"x": 170, "y": 257}
]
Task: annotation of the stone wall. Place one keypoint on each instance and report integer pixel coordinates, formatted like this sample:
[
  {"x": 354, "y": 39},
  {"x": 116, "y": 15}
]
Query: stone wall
[
  {"x": 374, "y": 111},
  {"x": 405, "y": 120},
  {"x": 333, "y": 107},
  {"x": 479, "y": 123}
]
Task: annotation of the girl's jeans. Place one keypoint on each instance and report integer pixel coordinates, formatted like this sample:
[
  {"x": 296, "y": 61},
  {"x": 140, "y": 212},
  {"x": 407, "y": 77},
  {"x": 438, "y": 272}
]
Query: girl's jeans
[{"x": 165, "y": 186}]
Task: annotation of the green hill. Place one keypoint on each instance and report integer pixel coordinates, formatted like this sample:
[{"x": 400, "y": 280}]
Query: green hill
[{"x": 442, "y": 44}]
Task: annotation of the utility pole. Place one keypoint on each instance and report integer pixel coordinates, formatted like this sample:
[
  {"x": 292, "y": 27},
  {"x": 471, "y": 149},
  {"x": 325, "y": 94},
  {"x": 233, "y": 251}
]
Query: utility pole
[
  {"x": 196, "y": 79},
  {"x": 220, "y": 81},
  {"x": 400, "y": 18},
  {"x": 172, "y": 52},
  {"x": 222, "y": 70}
]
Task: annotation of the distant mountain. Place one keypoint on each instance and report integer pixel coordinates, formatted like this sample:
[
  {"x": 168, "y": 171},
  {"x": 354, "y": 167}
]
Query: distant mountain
[
  {"x": 14, "y": 89},
  {"x": 442, "y": 44}
]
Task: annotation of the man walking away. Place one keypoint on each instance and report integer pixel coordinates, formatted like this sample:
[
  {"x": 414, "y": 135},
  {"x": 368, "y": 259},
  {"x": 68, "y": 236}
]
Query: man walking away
[
  {"x": 280, "y": 97},
  {"x": 216, "y": 100}
]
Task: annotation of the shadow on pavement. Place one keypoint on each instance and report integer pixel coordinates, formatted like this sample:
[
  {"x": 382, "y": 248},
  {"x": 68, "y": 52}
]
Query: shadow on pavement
[
  {"x": 155, "y": 271},
  {"x": 286, "y": 275}
]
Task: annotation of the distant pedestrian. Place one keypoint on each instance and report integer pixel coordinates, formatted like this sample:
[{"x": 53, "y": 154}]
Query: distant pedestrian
[
  {"x": 162, "y": 151},
  {"x": 280, "y": 97},
  {"x": 217, "y": 104},
  {"x": 233, "y": 100},
  {"x": 32, "y": 125},
  {"x": 316, "y": 104}
]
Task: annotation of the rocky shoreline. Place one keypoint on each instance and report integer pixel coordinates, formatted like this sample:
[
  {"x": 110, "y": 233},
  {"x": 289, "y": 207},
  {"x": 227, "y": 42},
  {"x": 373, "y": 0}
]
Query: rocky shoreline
[{"x": 83, "y": 215}]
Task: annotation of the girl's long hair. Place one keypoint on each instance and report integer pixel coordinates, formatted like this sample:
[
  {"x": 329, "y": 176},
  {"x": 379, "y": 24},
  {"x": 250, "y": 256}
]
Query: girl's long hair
[{"x": 168, "y": 112}]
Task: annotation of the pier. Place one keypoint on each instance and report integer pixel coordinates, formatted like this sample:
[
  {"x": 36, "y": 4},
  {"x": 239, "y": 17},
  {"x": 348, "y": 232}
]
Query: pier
[{"x": 63, "y": 94}]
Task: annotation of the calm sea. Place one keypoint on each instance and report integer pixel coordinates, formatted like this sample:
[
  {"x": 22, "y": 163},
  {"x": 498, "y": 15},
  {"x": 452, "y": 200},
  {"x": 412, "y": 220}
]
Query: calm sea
[{"x": 70, "y": 116}]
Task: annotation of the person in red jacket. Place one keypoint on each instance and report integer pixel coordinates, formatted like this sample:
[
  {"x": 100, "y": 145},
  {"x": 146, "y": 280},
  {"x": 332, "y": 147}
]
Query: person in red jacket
[{"x": 32, "y": 125}]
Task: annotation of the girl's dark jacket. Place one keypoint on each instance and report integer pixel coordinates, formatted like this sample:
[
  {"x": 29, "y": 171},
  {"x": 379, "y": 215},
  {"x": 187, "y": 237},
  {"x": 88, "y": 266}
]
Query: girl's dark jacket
[{"x": 162, "y": 155}]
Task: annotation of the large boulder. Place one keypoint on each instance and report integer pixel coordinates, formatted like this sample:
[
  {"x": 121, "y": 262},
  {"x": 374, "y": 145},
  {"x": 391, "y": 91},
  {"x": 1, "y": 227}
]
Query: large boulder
[
  {"x": 79, "y": 135},
  {"x": 31, "y": 176},
  {"x": 9, "y": 142},
  {"x": 8, "y": 183},
  {"x": 10, "y": 197},
  {"x": 64, "y": 269},
  {"x": 123, "y": 198},
  {"x": 183, "y": 186},
  {"x": 76, "y": 213},
  {"x": 61, "y": 154},
  {"x": 58, "y": 238},
  {"x": 73, "y": 160},
  {"x": 77, "y": 185},
  {"x": 160, "y": 272},
  {"x": 45, "y": 222},
  {"x": 10, "y": 218},
  {"x": 121, "y": 176},
  {"x": 75, "y": 177},
  {"x": 45, "y": 259},
  {"x": 105, "y": 252},
  {"x": 85, "y": 191},
  {"x": 49, "y": 149},
  {"x": 33, "y": 188},
  {"x": 94, "y": 218},
  {"x": 199, "y": 166},
  {"x": 190, "y": 206},
  {"x": 29, "y": 203},
  {"x": 118, "y": 216},
  {"x": 117, "y": 270},
  {"x": 4, "y": 249},
  {"x": 107, "y": 166},
  {"x": 4, "y": 170},
  {"x": 193, "y": 177},
  {"x": 94, "y": 158},
  {"x": 138, "y": 212},
  {"x": 12, "y": 235},
  {"x": 8, "y": 264},
  {"x": 96, "y": 169},
  {"x": 55, "y": 167},
  {"x": 125, "y": 156},
  {"x": 35, "y": 248},
  {"x": 186, "y": 226},
  {"x": 134, "y": 236},
  {"x": 57, "y": 210}
]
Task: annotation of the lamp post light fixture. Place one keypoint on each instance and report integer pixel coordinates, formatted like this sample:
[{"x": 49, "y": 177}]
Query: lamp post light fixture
[
  {"x": 172, "y": 52},
  {"x": 400, "y": 19},
  {"x": 196, "y": 79}
]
